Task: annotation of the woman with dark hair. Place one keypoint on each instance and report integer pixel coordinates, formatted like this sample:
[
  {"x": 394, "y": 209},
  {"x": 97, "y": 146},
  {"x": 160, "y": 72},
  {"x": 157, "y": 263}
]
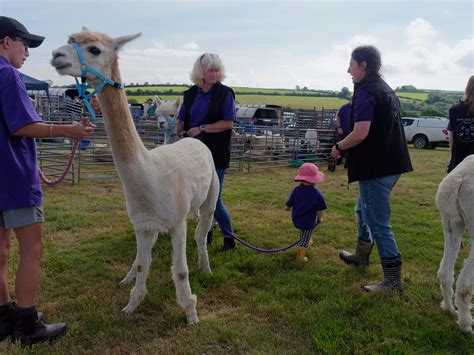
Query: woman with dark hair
[
  {"x": 208, "y": 113},
  {"x": 377, "y": 154},
  {"x": 461, "y": 127}
]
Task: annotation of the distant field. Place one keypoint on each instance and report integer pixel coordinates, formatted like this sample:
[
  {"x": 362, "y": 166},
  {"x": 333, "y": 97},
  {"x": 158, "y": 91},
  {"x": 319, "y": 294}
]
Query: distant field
[
  {"x": 293, "y": 102},
  {"x": 181, "y": 88},
  {"x": 157, "y": 88},
  {"x": 413, "y": 95}
]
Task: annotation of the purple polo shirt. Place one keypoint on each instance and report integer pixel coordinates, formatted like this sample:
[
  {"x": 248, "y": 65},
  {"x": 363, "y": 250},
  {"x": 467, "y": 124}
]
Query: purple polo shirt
[
  {"x": 200, "y": 108},
  {"x": 19, "y": 178},
  {"x": 306, "y": 201},
  {"x": 344, "y": 114},
  {"x": 364, "y": 106}
]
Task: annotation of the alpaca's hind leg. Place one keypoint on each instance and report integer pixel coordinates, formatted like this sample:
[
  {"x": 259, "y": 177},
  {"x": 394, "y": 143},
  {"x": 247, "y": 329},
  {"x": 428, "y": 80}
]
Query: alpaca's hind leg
[
  {"x": 453, "y": 232},
  {"x": 200, "y": 236},
  {"x": 464, "y": 292},
  {"x": 179, "y": 269},
  {"x": 145, "y": 241},
  {"x": 132, "y": 274}
]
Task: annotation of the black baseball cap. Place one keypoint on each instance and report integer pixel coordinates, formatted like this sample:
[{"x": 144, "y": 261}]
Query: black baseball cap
[{"x": 12, "y": 28}]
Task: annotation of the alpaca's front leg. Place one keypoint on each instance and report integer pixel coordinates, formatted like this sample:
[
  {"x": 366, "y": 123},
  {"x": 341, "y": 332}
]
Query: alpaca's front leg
[
  {"x": 179, "y": 269},
  {"x": 145, "y": 241},
  {"x": 464, "y": 293},
  {"x": 452, "y": 241},
  {"x": 132, "y": 273}
]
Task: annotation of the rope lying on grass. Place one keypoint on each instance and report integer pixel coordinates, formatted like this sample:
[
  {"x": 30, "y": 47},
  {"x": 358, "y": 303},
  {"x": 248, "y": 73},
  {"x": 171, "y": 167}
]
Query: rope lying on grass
[{"x": 257, "y": 248}]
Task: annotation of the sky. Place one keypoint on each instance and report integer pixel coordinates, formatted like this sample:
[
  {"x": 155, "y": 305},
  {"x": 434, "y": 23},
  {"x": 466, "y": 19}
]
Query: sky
[{"x": 264, "y": 43}]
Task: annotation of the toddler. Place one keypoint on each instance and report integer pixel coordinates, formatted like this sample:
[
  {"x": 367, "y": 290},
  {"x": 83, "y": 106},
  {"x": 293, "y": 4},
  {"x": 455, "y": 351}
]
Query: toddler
[{"x": 307, "y": 204}]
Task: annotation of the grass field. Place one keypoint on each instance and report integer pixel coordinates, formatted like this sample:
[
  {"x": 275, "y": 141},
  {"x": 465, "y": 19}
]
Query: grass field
[
  {"x": 253, "y": 303},
  {"x": 422, "y": 96},
  {"x": 293, "y": 102}
]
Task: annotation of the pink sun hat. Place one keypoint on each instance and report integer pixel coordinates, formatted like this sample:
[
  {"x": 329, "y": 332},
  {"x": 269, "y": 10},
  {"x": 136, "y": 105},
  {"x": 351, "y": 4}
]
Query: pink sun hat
[{"x": 309, "y": 172}]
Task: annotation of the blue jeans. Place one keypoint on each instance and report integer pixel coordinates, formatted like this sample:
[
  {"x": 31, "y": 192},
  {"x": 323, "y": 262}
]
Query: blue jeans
[
  {"x": 373, "y": 214},
  {"x": 220, "y": 214}
]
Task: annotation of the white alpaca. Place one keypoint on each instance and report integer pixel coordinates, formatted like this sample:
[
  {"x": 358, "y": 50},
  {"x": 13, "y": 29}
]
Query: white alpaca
[
  {"x": 161, "y": 186},
  {"x": 167, "y": 112},
  {"x": 455, "y": 200}
]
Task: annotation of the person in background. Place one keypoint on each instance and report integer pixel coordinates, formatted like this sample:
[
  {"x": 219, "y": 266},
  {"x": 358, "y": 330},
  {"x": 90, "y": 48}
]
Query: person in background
[
  {"x": 307, "y": 205},
  {"x": 342, "y": 128},
  {"x": 146, "y": 106},
  {"x": 20, "y": 191},
  {"x": 377, "y": 154},
  {"x": 461, "y": 127},
  {"x": 208, "y": 113}
]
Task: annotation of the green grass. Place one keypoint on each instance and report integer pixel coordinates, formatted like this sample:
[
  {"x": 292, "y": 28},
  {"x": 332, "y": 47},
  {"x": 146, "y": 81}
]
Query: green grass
[
  {"x": 293, "y": 102},
  {"x": 422, "y": 96},
  {"x": 253, "y": 303}
]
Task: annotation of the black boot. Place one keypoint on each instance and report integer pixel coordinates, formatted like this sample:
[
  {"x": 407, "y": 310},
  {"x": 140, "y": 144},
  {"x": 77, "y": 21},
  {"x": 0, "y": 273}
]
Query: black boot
[
  {"x": 30, "y": 330},
  {"x": 229, "y": 243},
  {"x": 361, "y": 255},
  {"x": 391, "y": 282},
  {"x": 7, "y": 320}
]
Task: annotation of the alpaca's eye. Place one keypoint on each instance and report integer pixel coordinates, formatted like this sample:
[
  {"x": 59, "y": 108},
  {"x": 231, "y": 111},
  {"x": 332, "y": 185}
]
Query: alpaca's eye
[
  {"x": 172, "y": 115},
  {"x": 94, "y": 50}
]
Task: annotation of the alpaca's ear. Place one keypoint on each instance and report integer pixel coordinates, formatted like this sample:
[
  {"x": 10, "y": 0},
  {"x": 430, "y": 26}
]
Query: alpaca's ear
[
  {"x": 121, "y": 41},
  {"x": 86, "y": 29},
  {"x": 158, "y": 100},
  {"x": 178, "y": 102}
]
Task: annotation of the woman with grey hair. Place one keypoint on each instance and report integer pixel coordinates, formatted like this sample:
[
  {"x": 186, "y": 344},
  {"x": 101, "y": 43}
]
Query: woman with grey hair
[{"x": 208, "y": 113}]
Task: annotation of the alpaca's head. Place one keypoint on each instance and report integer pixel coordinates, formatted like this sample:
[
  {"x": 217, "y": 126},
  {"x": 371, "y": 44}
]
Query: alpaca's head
[
  {"x": 99, "y": 50},
  {"x": 166, "y": 110}
]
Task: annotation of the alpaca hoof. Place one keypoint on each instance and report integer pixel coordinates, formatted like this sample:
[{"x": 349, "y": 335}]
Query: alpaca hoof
[
  {"x": 126, "y": 281},
  {"x": 448, "y": 308},
  {"x": 193, "y": 319},
  {"x": 465, "y": 327},
  {"x": 128, "y": 310}
]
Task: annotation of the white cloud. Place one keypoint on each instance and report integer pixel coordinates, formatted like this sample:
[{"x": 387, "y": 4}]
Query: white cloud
[
  {"x": 191, "y": 45},
  {"x": 419, "y": 31}
]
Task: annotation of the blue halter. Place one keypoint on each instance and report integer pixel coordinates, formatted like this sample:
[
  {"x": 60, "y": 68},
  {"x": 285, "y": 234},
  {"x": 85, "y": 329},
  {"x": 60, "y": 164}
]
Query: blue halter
[
  {"x": 83, "y": 86},
  {"x": 171, "y": 127}
]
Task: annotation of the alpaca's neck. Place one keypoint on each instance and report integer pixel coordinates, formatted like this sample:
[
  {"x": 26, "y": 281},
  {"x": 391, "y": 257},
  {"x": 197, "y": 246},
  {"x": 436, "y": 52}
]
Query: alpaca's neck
[{"x": 124, "y": 139}]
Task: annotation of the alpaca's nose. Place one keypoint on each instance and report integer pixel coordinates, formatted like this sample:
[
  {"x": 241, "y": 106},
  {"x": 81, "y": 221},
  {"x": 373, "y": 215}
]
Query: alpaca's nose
[{"x": 57, "y": 54}]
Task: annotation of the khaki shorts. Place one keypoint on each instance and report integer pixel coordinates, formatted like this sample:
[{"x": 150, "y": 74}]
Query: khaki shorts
[{"x": 21, "y": 217}]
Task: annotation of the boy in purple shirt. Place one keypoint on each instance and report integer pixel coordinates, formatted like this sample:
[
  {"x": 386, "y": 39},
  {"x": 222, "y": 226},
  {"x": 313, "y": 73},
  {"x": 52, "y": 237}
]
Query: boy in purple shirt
[
  {"x": 20, "y": 192},
  {"x": 307, "y": 204}
]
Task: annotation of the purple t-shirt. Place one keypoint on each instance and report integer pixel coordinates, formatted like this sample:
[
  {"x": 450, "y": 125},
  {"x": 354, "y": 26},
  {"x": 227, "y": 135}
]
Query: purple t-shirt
[
  {"x": 19, "y": 178},
  {"x": 200, "y": 108},
  {"x": 306, "y": 201},
  {"x": 344, "y": 113},
  {"x": 364, "y": 106}
]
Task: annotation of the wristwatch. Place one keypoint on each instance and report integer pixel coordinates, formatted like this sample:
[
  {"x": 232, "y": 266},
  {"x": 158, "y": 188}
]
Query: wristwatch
[
  {"x": 201, "y": 128},
  {"x": 338, "y": 148}
]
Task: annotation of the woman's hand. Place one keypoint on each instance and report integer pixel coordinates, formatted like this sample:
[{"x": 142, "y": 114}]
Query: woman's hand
[{"x": 193, "y": 132}]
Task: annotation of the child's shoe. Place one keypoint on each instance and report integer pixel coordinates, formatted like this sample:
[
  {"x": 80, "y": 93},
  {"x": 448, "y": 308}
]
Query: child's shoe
[{"x": 301, "y": 254}]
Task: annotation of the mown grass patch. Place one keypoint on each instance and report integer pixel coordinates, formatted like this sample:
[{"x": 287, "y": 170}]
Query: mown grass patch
[{"x": 253, "y": 302}]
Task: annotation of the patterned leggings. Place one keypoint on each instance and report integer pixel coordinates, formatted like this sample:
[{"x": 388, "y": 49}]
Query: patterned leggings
[{"x": 305, "y": 236}]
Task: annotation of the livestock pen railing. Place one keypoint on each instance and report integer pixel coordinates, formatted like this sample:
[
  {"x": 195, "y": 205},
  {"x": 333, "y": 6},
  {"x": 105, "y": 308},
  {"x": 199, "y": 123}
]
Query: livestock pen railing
[{"x": 253, "y": 147}]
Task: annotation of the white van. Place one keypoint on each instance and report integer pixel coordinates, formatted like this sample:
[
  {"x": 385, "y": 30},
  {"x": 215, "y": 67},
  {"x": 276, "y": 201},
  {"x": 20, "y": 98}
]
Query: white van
[{"x": 426, "y": 132}]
